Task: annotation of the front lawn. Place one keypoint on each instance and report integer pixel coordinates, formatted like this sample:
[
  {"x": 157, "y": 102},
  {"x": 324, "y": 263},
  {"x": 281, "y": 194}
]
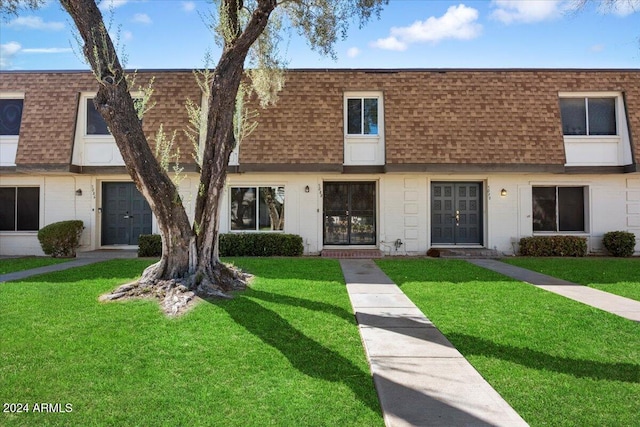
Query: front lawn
[
  {"x": 285, "y": 353},
  {"x": 556, "y": 361},
  {"x": 620, "y": 276},
  {"x": 11, "y": 265}
]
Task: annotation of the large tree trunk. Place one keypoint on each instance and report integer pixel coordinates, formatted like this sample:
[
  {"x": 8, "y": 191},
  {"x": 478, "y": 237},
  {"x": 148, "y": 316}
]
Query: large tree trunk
[{"x": 189, "y": 265}]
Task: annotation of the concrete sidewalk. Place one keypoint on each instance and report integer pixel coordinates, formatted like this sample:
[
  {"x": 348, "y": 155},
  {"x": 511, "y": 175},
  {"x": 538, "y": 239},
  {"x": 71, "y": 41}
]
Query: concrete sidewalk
[
  {"x": 83, "y": 258},
  {"x": 621, "y": 306},
  {"x": 421, "y": 379}
]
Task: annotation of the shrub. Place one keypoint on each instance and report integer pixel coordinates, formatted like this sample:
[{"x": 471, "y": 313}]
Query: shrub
[
  {"x": 149, "y": 245},
  {"x": 619, "y": 243},
  {"x": 260, "y": 244},
  {"x": 553, "y": 246},
  {"x": 61, "y": 239},
  {"x": 234, "y": 244}
]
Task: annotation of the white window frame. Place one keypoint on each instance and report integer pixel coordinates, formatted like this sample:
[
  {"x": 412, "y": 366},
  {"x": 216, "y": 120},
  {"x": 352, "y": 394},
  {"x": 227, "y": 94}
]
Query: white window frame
[
  {"x": 257, "y": 187},
  {"x": 15, "y": 207},
  {"x": 362, "y": 96},
  {"x": 9, "y": 143},
  {"x": 586, "y": 212},
  {"x": 599, "y": 150},
  {"x": 364, "y": 149}
]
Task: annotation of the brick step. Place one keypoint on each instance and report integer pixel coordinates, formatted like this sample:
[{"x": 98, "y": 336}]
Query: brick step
[{"x": 352, "y": 253}]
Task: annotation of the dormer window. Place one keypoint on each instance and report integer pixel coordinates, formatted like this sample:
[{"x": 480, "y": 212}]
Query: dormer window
[
  {"x": 10, "y": 116},
  {"x": 95, "y": 123},
  {"x": 588, "y": 116},
  {"x": 362, "y": 116}
]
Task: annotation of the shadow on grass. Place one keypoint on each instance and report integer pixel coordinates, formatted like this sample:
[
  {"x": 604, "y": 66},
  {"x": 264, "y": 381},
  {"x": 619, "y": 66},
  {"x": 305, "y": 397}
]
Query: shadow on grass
[
  {"x": 624, "y": 372},
  {"x": 120, "y": 269},
  {"x": 305, "y": 354},
  {"x": 304, "y": 303}
]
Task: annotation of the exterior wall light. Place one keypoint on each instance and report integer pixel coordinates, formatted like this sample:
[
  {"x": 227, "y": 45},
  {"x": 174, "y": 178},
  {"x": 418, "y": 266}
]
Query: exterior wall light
[
  {"x": 503, "y": 193},
  {"x": 306, "y": 189},
  {"x": 79, "y": 192}
]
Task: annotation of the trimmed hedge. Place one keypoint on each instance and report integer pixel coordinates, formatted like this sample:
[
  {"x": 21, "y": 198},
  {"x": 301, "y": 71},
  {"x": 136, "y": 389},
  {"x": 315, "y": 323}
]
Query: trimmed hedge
[
  {"x": 619, "y": 243},
  {"x": 569, "y": 246},
  {"x": 236, "y": 244},
  {"x": 61, "y": 239},
  {"x": 149, "y": 245},
  {"x": 260, "y": 244}
]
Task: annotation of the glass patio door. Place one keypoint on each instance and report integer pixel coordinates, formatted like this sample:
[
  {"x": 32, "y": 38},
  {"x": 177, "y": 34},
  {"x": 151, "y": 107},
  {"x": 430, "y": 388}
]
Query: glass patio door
[{"x": 349, "y": 213}]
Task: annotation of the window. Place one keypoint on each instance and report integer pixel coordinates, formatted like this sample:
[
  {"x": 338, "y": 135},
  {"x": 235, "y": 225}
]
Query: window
[
  {"x": 558, "y": 209},
  {"x": 588, "y": 116},
  {"x": 362, "y": 116},
  {"x": 95, "y": 123},
  {"x": 19, "y": 208},
  {"x": 10, "y": 116},
  {"x": 257, "y": 208}
]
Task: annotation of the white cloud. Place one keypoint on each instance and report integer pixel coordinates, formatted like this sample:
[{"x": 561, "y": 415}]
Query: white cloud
[
  {"x": 111, "y": 4},
  {"x": 459, "y": 22},
  {"x": 34, "y": 23},
  {"x": 7, "y": 52},
  {"x": 390, "y": 43},
  {"x": 353, "y": 52},
  {"x": 141, "y": 18},
  {"x": 188, "y": 6},
  {"x": 512, "y": 11},
  {"x": 48, "y": 50}
]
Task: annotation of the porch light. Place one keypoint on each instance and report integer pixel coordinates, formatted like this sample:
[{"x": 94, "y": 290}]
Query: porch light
[
  {"x": 503, "y": 192},
  {"x": 79, "y": 192},
  {"x": 306, "y": 189}
]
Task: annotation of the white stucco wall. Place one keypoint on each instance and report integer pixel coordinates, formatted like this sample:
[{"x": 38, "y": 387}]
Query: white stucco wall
[{"x": 403, "y": 206}]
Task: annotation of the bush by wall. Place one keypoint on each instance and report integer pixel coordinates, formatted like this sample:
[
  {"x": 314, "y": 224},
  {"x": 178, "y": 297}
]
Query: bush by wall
[
  {"x": 61, "y": 239},
  {"x": 149, "y": 245},
  {"x": 233, "y": 244},
  {"x": 260, "y": 244},
  {"x": 569, "y": 246},
  {"x": 619, "y": 243}
]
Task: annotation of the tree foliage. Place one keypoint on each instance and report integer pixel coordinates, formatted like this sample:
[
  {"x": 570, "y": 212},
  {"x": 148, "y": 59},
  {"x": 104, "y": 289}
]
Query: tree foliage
[{"x": 250, "y": 33}]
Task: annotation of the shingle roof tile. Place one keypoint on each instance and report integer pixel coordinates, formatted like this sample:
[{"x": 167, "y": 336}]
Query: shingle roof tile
[{"x": 431, "y": 116}]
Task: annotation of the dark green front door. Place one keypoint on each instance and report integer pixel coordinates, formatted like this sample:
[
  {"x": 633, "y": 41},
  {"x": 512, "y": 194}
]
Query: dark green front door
[
  {"x": 125, "y": 214},
  {"x": 349, "y": 213},
  {"x": 456, "y": 213}
]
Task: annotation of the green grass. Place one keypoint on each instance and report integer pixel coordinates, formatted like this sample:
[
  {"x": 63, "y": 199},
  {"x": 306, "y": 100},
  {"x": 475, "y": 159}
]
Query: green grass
[
  {"x": 556, "y": 361},
  {"x": 620, "y": 276},
  {"x": 285, "y": 353},
  {"x": 11, "y": 265}
]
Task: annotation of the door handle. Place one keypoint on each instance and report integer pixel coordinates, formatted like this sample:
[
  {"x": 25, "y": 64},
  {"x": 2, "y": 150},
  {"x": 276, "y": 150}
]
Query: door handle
[
  {"x": 128, "y": 216},
  {"x": 457, "y": 218}
]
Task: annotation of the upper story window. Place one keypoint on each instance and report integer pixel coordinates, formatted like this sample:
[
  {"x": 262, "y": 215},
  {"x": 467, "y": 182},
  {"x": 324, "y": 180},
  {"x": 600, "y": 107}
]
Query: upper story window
[
  {"x": 95, "y": 123},
  {"x": 362, "y": 115},
  {"x": 19, "y": 208},
  {"x": 10, "y": 116},
  {"x": 589, "y": 116}
]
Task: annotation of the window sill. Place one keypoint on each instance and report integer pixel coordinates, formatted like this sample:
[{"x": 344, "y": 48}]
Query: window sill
[
  {"x": 561, "y": 233},
  {"x": 18, "y": 233}
]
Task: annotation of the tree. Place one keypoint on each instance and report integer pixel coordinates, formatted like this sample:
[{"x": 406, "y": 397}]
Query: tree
[{"x": 190, "y": 263}]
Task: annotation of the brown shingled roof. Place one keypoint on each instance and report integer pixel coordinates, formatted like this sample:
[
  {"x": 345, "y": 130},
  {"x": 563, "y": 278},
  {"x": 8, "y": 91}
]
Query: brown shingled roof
[{"x": 443, "y": 117}]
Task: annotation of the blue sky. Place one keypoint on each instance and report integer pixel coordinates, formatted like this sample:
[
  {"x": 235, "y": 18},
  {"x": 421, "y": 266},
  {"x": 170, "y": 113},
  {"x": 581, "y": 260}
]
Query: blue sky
[{"x": 170, "y": 34}]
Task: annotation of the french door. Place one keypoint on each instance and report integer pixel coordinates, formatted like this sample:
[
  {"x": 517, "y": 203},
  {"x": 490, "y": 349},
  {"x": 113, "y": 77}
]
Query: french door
[
  {"x": 349, "y": 213},
  {"x": 456, "y": 213},
  {"x": 125, "y": 214}
]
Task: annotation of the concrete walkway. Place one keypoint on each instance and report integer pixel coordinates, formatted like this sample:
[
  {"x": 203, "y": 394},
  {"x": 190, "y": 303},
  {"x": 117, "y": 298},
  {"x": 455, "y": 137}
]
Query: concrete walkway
[
  {"x": 421, "y": 379},
  {"x": 83, "y": 258},
  {"x": 621, "y": 306}
]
